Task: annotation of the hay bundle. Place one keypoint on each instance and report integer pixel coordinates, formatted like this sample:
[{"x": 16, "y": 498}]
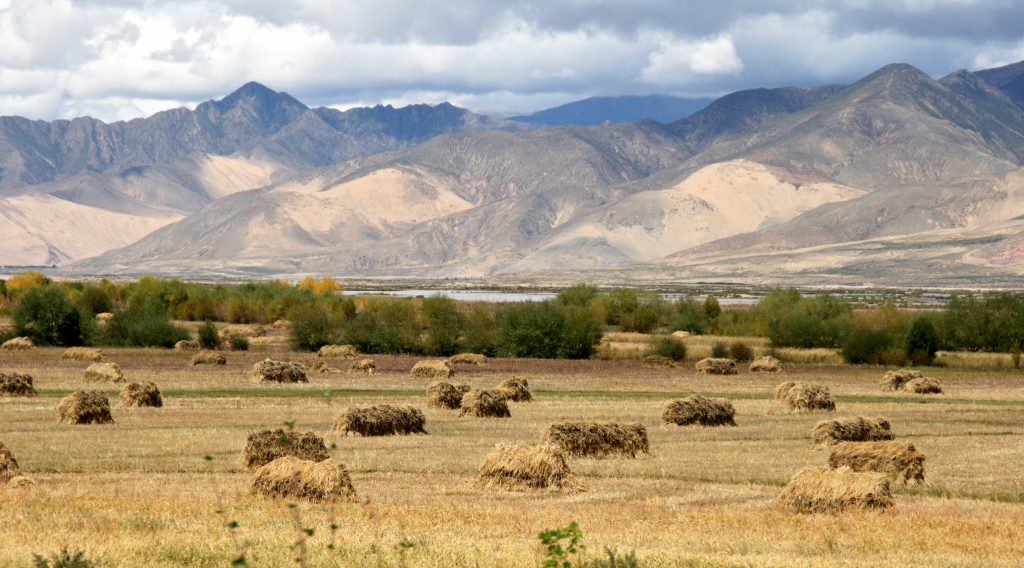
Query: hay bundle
[
  {"x": 856, "y": 429},
  {"x": 595, "y": 439},
  {"x": 923, "y": 385},
  {"x": 21, "y": 482},
  {"x": 293, "y": 478},
  {"x": 187, "y": 345},
  {"x": 381, "y": 420},
  {"x": 141, "y": 394},
  {"x": 765, "y": 364},
  {"x": 18, "y": 344},
  {"x": 517, "y": 467},
  {"x": 242, "y": 330},
  {"x": 484, "y": 403},
  {"x": 894, "y": 459},
  {"x": 16, "y": 385},
  {"x": 516, "y": 389},
  {"x": 104, "y": 317},
  {"x": 713, "y": 366},
  {"x": 270, "y": 371},
  {"x": 363, "y": 366},
  {"x": 338, "y": 351},
  {"x": 834, "y": 490},
  {"x": 318, "y": 366},
  {"x": 657, "y": 362},
  {"x": 82, "y": 354},
  {"x": 209, "y": 358},
  {"x": 802, "y": 396},
  {"x": 435, "y": 369},
  {"x": 680, "y": 336},
  {"x": 85, "y": 407},
  {"x": 282, "y": 324},
  {"x": 469, "y": 359},
  {"x": 443, "y": 394},
  {"x": 8, "y": 465},
  {"x": 894, "y": 380},
  {"x": 699, "y": 410},
  {"x": 266, "y": 446},
  {"x": 105, "y": 372}
]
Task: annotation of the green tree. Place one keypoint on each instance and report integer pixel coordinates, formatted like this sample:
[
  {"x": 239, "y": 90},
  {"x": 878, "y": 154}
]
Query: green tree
[
  {"x": 45, "y": 315},
  {"x": 312, "y": 328},
  {"x": 209, "y": 337},
  {"x": 689, "y": 317},
  {"x": 479, "y": 331},
  {"x": 531, "y": 329},
  {"x": 95, "y": 300},
  {"x": 580, "y": 295},
  {"x": 922, "y": 341},
  {"x": 580, "y": 335},
  {"x": 443, "y": 324}
]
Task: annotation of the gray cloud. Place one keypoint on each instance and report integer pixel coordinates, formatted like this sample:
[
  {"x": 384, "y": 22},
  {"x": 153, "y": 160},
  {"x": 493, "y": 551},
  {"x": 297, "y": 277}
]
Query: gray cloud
[{"x": 118, "y": 59}]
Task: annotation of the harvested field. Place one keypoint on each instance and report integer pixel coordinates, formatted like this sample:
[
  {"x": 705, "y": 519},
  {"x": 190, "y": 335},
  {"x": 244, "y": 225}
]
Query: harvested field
[
  {"x": 266, "y": 446},
  {"x": 270, "y": 371},
  {"x": 289, "y": 477},
  {"x": 105, "y": 372},
  {"x": 474, "y": 359},
  {"x": 15, "y": 384},
  {"x": 381, "y": 420},
  {"x": 857, "y": 429},
  {"x": 805, "y": 397},
  {"x": 712, "y": 366},
  {"x": 435, "y": 369},
  {"x": 765, "y": 364},
  {"x": 520, "y": 467},
  {"x": 699, "y": 410},
  {"x": 338, "y": 351},
  {"x": 657, "y": 362},
  {"x": 897, "y": 460},
  {"x": 443, "y": 394},
  {"x": 485, "y": 403},
  {"x": 141, "y": 394},
  {"x": 597, "y": 439},
  {"x": 836, "y": 490},
  {"x": 209, "y": 358},
  {"x": 82, "y": 354},
  {"x": 85, "y": 407},
  {"x": 363, "y": 367}
]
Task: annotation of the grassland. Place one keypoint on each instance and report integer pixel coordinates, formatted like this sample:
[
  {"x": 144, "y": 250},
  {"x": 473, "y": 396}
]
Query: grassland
[{"x": 140, "y": 493}]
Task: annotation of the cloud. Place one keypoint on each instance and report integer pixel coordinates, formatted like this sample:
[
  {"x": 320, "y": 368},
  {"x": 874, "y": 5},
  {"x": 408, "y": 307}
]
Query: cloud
[{"x": 118, "y": 59}]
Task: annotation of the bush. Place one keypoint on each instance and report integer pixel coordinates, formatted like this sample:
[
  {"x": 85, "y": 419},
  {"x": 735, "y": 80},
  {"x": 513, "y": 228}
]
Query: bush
[
  {"x": 45, "y": 315},
  {"x": 547, "y": 330},
  {"x": 871, "y": 346},
  {"x": 95, "y": 300},
  {"x": 689, "y": 317},
  {"x": 239, "y": 343},
  {"x": 385, "y": 326},
  {"x": 479, "y": 331},
  {"x": 741, "y": 352},
  {"x": 63, "y": 559},
  {"x": 141, "y": 326},
  {"x": 643, "y": 320},
  {"x": 443, "y": 324},
  {"x": 312, "y": 329},
  {"x": 922, "y": 341},
  {"x": 719, "y": 350},
  {"x": 209, "y": 337},
  {"x": 668, "y": 347}
]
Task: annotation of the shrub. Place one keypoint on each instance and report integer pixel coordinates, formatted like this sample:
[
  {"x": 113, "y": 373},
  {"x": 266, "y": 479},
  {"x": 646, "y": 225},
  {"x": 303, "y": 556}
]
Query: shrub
[
  {"x": 668, "y": 347},
  {"x": 63, "y": 559},
  {"x": 741, "y": 352},
  {"x": 239, "y": 343},
  {"x": 866, "y": 346},
  {"x": 922, "y": 341},
  {"x": 580, "y": 295},
  {"x": 719, "y": 350},
  {"x": 143, "y": 325},
  {"x": 643, "y": 320},
  {"x": 46, "y": 316},
  {"x": 443, "y": 324},
  {"x": 547, "y": 330},
  {"x": 209, "y": 338},
  {"x": 479, "y": 331},
  {"x": 689, "y": 317},
  {"x": 312, "y": 329},
  {"x": 95, "y": 300},
  {"x": 385, "y": 326}
]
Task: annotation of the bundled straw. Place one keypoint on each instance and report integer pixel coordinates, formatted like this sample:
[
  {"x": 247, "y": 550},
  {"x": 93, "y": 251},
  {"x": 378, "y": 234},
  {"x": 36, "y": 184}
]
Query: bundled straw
[
  {"x": 85, "y": 407},
  {"x": 895, "y": 459},
  {"x": 443, "y": 394},
  {"x": 923, "y": 385},
  {"x": 437, "y": 369},
  {"x": 712, "y": 366},
  {"x": 293, "y": 478},
  {"x": 209, "y": 358},
  {"x": 338, "y": 351},
  {"x": 516, "y": 389},
  {"x": 894, "y": 380},
  {"x": 363, "y": 366},
  {"x": 836, "y": 490},
  {"x": 657, "y": 362},
  {"x": 187, "y": 345},
  {"x": 595, "y": 439},
  {"x": 856, "y": 429},
  {"x": 8, "y": 465},
  {"x": 381, "y": 420},
  {"x": 700, "y": 410},
  {"x": 468, "y": 359},
  {"x": 104, "y": 372},
  {"x": 520, "y": 467},
  {"x": 266, "y": 446},
  {"x": 139, "y": 394},
  {"x": 802, "y": 396},
  {"x": 16, "y": 385},
  {"x": 269, "y": 371},
  {"x": 82, "y": 354},
  {"x": 484, "y": 403},
  {"x": 765, "y": 364},
  {"x": 18, "y": 344}
]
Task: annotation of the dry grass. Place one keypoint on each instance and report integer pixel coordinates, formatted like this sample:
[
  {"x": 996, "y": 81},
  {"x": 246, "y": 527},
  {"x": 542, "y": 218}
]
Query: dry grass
[
  {"x": 836, "y": 490},
  {"x": 657, "y": 362},
  {"x": 897, "y": 460},
  {"x": 520, "y": 467},
  {"x": 597, "y": 439},
  {"x": 266, "y": 446},
  {"x": 293, "y": 478}
]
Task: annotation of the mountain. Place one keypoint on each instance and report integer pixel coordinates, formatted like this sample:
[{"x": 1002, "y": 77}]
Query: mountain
[
  {"x": 1009, "y": 79},
  {"x": 164, "y": 167},
  {"x": 598, "y": 110}
]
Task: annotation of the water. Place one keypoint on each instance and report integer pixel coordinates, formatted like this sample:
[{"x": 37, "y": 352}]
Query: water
[{"x": 502, "y": 297}]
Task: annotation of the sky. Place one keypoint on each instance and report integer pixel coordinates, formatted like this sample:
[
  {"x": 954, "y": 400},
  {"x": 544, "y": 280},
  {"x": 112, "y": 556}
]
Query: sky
[{"x": 121, "y": 59}]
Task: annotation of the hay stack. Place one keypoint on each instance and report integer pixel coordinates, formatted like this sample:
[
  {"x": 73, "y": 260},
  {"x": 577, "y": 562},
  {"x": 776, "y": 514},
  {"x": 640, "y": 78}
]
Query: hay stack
[
  {"x": 18, "y": 344},
  {"x": 800, "y": 396},
  {"x": 516, "y": 389},
  {"x": 680, "y": 336},
  {"x": 895, "y": 459},
  {"x": 712, "y": 366},
  {"x": 21, "y": 482},
  {"x": 857, "y": 429},
  {"x": 434, "y": 369},
  {"x": 13, "y": 384},
  {"x": 834, "y": 490},
  {"x": 894, "y": 380},
  {"x": 519, "y": 467},
  {"x": 363, "y": 366},
  {"x": 765, "y": 364},
  {"x": 443, "y": 394},
  {"x": 104, "y": 372},
  {"x": 484, "y": 403},
  {"x": 468, "y": 359},
  {"x": 8, "y": 465},
  {"x": 657, "y": 362},
  {"x": 104, "y": 317},
  {"x": 293, "y": 478},
  {"x": 187, "y": 345},
  {"x": 85, "y": 407},
  {"x": 338, "y": 351},
  {"x": 318, "y": 366},
  {"x": 700, "y": 410},
  {"x": 923, "y": 385},
  {"x": 282, "y": 324},
  {"x": 82, "y": 354},
  {"x": 381, "y": 420},
  {"x": 141, "y": 394},
  {"x": 595, "y": 439},
  {"x": 243, "y": 330},
  {"x": 209, "y": 358},
  {"x": 266, "y": 446},
  {"x": 269, "y": 371}
]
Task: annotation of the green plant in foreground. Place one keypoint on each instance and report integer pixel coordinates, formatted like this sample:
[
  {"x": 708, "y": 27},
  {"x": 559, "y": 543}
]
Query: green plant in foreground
[
  {"x": 561, "y": 545},
  {"x": 63, "y": 559}
]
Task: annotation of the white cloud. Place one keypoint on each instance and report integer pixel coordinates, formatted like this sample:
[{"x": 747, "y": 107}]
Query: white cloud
[{"x": 675, "y": 61}]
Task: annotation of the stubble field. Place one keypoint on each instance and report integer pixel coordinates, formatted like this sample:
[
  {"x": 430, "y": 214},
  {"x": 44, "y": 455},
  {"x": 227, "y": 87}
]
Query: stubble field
[{"x": 141, "y": 492}]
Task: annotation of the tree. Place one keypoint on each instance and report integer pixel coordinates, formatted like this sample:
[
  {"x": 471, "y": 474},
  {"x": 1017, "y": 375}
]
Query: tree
[
  {"x": 45, "y": 315},
  {"x": 209, "y": 337},
  {"x": 443, "y": 324},
  {"x": 922, "y": 341}
]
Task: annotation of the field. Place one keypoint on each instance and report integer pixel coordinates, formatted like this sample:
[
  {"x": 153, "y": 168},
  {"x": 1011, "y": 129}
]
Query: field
[{"x": 141, "y": 493}]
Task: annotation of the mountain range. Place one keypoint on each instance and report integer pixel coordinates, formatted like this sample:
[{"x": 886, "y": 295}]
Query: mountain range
[
  {"x": 598, "y": 110},
  {"x": 896, "y": 179}
]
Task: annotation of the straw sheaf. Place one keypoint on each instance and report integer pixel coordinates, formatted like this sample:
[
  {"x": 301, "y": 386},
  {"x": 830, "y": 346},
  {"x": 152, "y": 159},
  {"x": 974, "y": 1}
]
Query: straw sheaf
[
  {"x": 82, "y": 354},
  {"x": 338, "y": 351},
  {"x": 269, "y": 371},
  {"x": 469, "y": 359},
  {"x": 381, "y": 420},
  {"x": 657, "y": 362},
  {"x": 443, "y": 394},
  {"x": 187, "y": 345},
  {"x": 436, "y": 369},
  {"x": 854, "y": 429},
  {"x": 923, "y": 385},
  {"x": 894, "y": 380},
  {"x": 209, "y": 358},
  {"x": 14, "y": 384},
  {"x": 8, "y": 465},
  {"x": 712, "y": 366},
  {"x": 18, "y": 344},
  {"x": 516, "y": 389},
  {"x": 104, "y": 372},
  {"x": 806, "y": 397},
  {"x": 85, "y": 407},
  {"x": 897, "y": 460},
  {"x": 701, "y": 411},
  {"x": 289, "y": 477},
  {"x": 835, "y": 490},
  {"x": 141, "y": 394},
  {"x": 596, "y": 439},
  {"x": 363, "y": 367},
  {"x": 521, "y": 467},
  {"x": 485, "y": 403},
  {"x": 266, "y": 446},
  {"x": 765, "y": 364}
]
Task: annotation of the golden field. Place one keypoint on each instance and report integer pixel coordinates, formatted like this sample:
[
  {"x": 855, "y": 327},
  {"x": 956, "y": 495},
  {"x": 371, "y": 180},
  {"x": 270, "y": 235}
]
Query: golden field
[{"x": 140, "y": 493}]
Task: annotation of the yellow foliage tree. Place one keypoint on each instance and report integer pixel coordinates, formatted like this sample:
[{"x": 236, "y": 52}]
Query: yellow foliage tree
[
  {"x": 25, "y": 280},
  {"x": 325, "y": 285}
]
